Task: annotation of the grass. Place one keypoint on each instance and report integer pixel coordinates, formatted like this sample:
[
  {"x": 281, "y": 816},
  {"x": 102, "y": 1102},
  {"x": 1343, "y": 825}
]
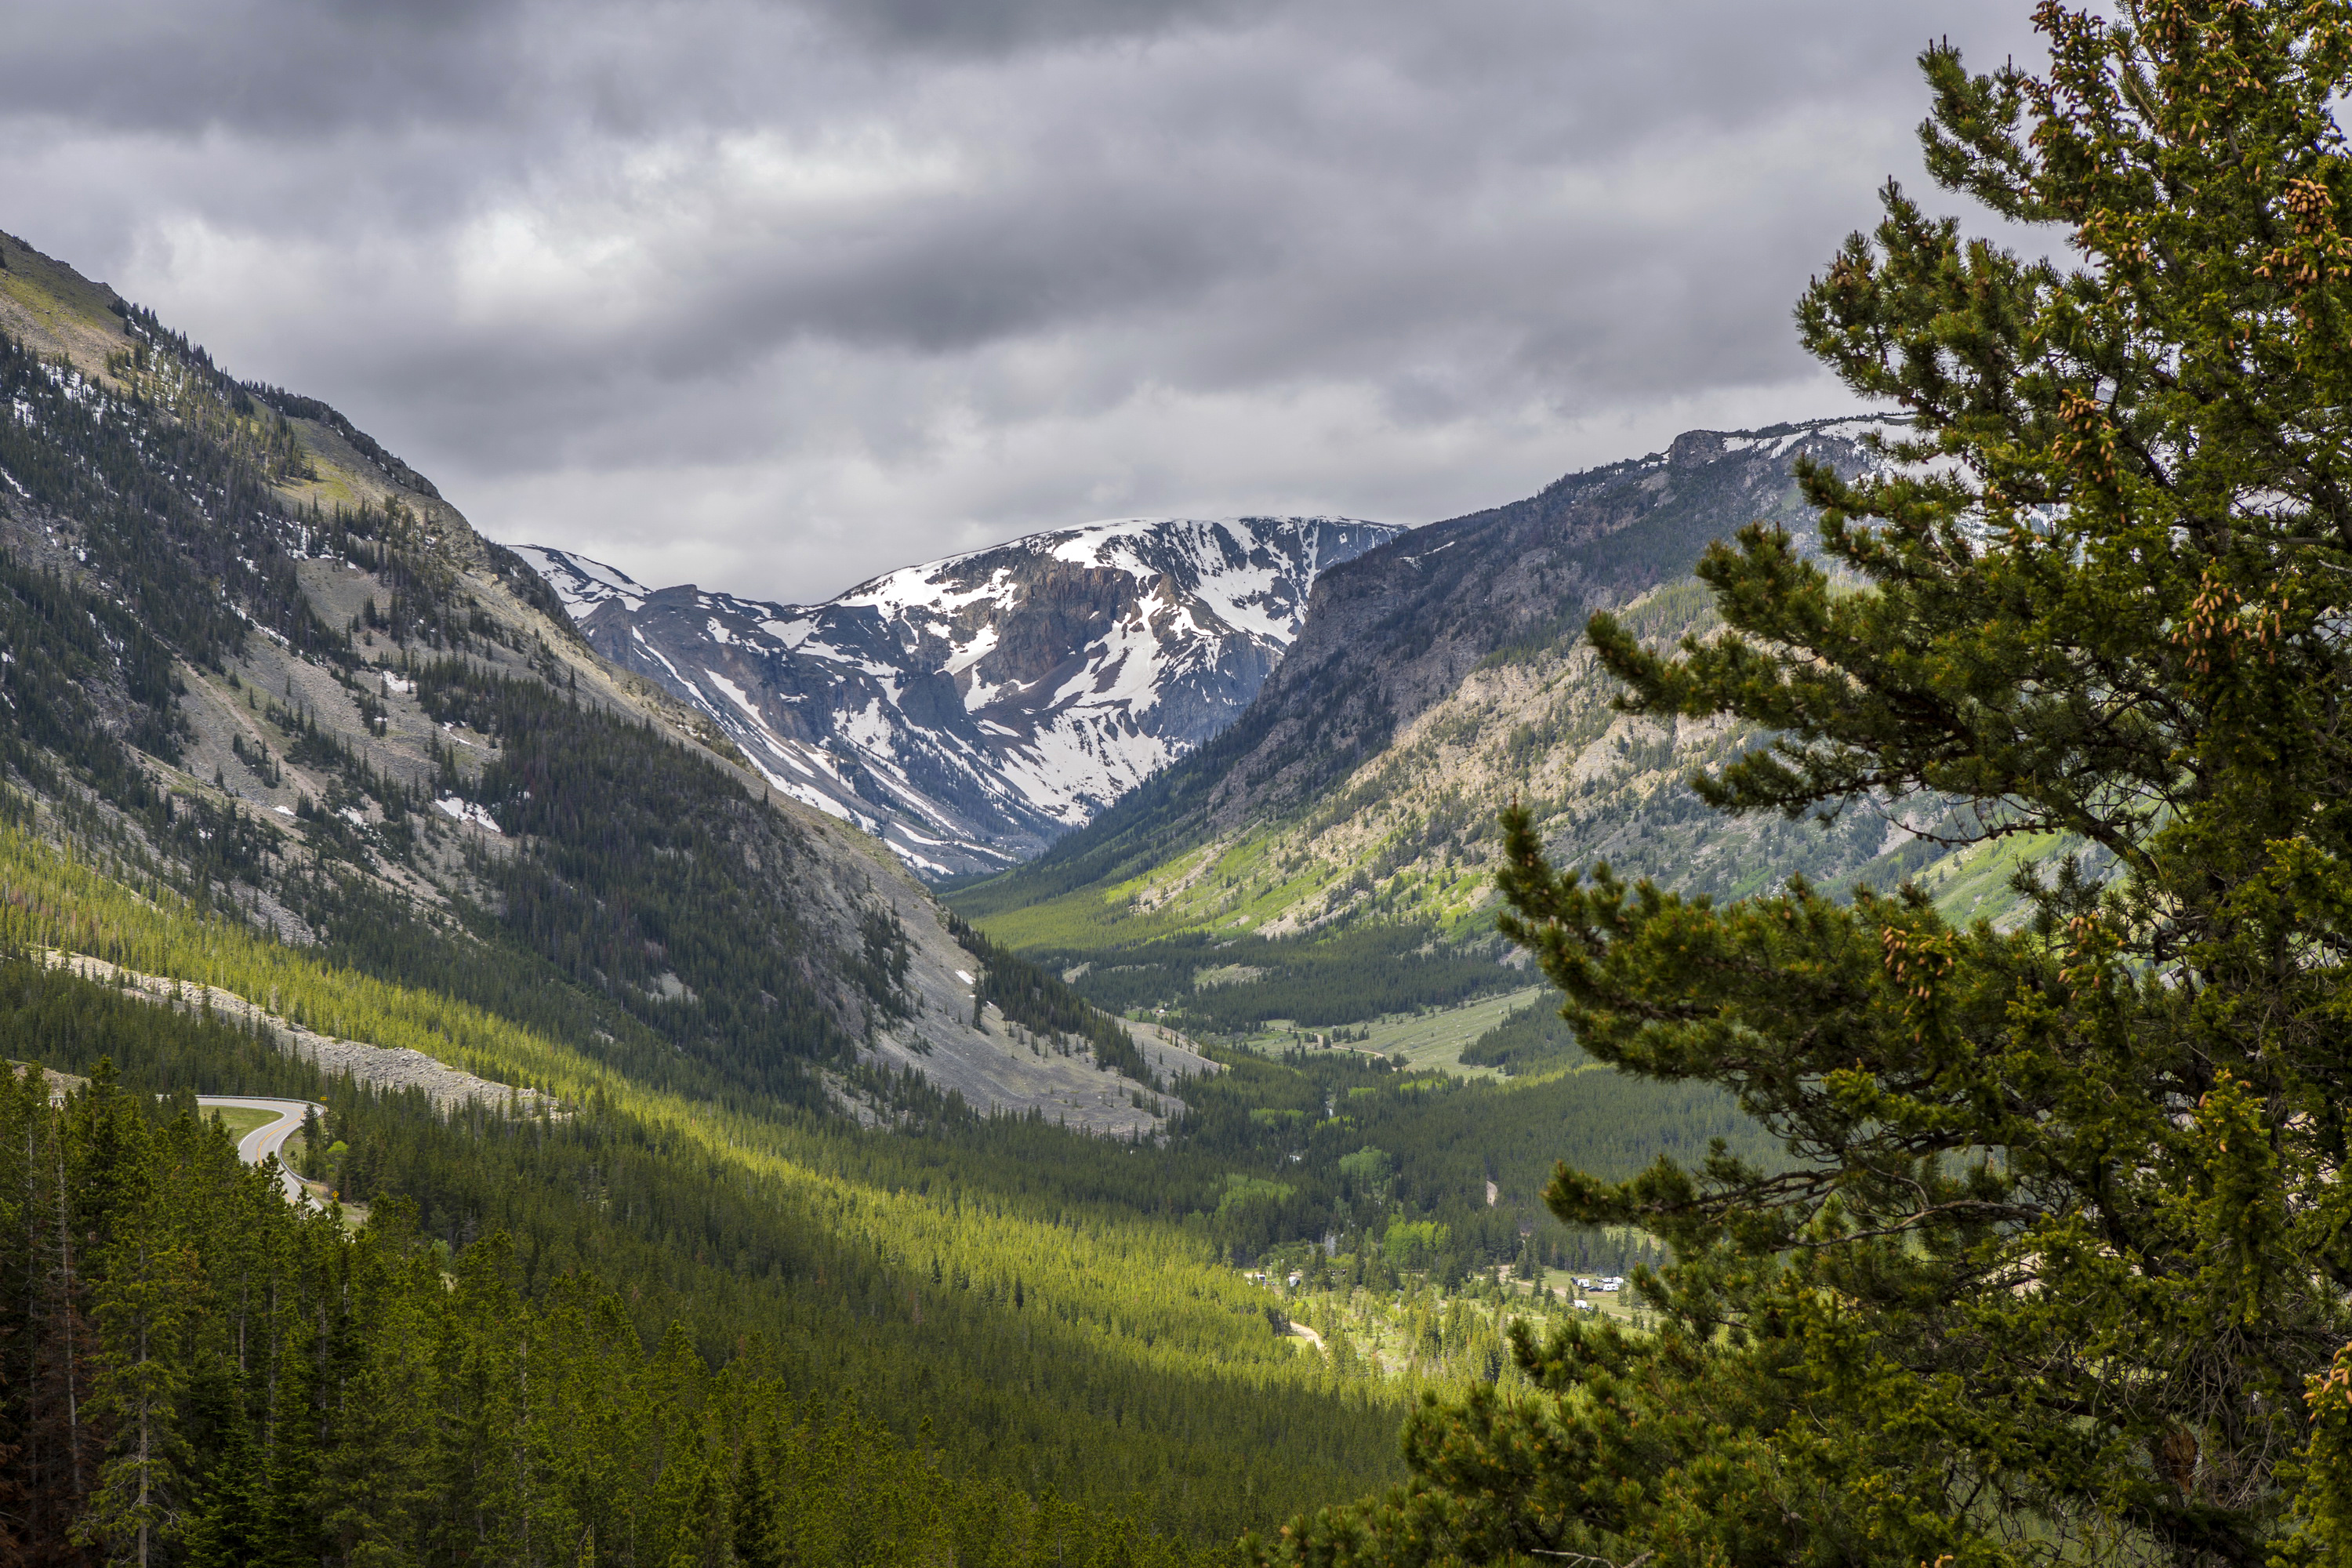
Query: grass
[
  {"x": 57, "y": 299},
  {"x": 239, "y": 1119},
  {"x": 1096, "y": 917},
  {"x": 1975, "y": 881},
  {"x": 1618, "y": 1305},
  {"x": 1240, "y": 889},
  {"x": 1437, "y": 1039},
  {"x": 1425, "y": 1040}
]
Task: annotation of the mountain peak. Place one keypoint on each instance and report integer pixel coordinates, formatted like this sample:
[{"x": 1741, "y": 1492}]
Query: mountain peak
[{"x": 972, "y": 709}]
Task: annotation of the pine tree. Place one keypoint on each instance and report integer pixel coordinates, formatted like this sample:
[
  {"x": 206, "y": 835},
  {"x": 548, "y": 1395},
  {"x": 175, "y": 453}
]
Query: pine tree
[
  {"x": 148, "y": 1282},
  {"x": 754, "y": 1533},
  {"x": 225, "y": 1529},
  {"x": 2058, "y": 1263}
]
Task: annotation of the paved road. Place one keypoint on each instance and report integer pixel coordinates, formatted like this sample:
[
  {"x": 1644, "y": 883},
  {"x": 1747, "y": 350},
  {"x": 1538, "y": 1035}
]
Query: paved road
[{"x": 269, "y": 1138}]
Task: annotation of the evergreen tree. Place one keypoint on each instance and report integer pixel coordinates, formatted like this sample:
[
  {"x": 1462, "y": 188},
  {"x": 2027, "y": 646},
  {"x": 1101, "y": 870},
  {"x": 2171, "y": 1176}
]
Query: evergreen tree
[
  {"x": 2057, "y": 1265},
  {"x": 754, "y": 1528},
  {"x": 225, "y": 1529},
  {"x": 145, "y": 1295},
  {"x": 383, "y": 1411}
]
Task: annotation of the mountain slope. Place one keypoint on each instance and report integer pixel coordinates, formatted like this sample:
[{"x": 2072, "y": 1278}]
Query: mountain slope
[
  {"x": 257, "y": 659},
  {"x": 275, "y": 724},
  {"x": 1394, "y": 633},
  {"x": 1438, "y": 679},
  {"x": 969, "y": 711}
]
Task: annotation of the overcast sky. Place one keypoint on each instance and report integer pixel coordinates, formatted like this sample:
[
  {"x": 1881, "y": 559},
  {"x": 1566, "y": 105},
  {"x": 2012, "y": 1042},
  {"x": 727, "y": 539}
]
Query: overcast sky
[{"x": 772, "y": 295}]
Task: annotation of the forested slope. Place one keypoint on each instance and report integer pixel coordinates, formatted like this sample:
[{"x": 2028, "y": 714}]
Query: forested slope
[
  {"x": 277, "y": 720},
  {"x": 200, "y": 1373},
  {"x": 308, "y": 689}
]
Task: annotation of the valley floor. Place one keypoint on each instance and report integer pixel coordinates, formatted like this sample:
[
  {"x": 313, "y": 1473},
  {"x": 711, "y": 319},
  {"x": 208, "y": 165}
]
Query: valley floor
[{"x": 1435, "y": 1039}]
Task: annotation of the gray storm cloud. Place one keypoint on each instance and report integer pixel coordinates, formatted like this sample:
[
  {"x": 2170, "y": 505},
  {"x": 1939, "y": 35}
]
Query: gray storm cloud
[{"x": 775, "y": 296}]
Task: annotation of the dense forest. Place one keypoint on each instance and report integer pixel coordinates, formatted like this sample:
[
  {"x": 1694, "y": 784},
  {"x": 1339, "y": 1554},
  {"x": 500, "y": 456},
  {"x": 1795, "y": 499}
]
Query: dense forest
[
  {"x": 954, "y": 1318},
  {"x": 1020, "y": 1286},
  {"x": 644, "y": 861},
  {"x": 1052, "y": 1332},
  {"x": 1231, "y": 984},
  {"x": 198, "y": 1373}
]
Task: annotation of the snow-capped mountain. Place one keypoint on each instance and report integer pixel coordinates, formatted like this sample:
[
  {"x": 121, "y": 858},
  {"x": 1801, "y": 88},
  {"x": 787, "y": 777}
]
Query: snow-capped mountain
[{"x": 972, "y": 710}]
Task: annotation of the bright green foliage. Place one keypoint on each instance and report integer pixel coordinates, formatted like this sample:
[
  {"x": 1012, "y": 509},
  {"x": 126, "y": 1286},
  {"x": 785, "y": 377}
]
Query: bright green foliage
[
  {"x": 2323, "y": 1528},
  {"x": 199, "y": 1372},
  {"x": 1338, "y": 979},
  {"x": 2059, "y": 1270},
  {"x": 1060, "y": 1343}
]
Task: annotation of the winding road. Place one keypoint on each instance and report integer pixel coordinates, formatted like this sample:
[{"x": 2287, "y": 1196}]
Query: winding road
[{"x": 269, "y": 1138}]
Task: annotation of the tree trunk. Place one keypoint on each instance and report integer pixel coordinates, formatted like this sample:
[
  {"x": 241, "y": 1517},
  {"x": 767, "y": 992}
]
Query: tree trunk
[
  {"x": 65, "y": 1262},
  {"x": 146, "y": 1434}
]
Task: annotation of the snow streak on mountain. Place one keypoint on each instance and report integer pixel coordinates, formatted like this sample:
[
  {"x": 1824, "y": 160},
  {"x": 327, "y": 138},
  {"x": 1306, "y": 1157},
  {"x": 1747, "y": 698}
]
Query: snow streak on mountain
[{"x": 972, "y": 710}]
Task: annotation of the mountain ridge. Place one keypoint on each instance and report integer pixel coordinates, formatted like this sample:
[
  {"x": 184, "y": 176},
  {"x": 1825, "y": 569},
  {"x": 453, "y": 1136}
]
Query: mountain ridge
[
  {"x": 1329, "y": 859},
  {"x": 319, "y": 698},
  {"x": 971, "y": 709},
  {"x": 1396, "y": 632}
]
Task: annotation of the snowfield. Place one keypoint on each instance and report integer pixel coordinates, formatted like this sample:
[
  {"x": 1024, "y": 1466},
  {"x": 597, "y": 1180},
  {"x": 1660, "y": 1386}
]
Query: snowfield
[{"x": 971, "y": 710}]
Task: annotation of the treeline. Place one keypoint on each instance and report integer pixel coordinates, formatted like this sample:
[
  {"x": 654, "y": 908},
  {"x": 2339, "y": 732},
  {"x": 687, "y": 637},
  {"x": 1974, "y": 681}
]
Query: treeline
[
  {"x": 199, "y": 1374},
  {"x": 1039, "y": 1001},
  {"x": 187, "y": 527},
  {"x": 1359, "y": 973},
  {"x": 649, "y": 876},
  {"x": 295, "y": 405}
]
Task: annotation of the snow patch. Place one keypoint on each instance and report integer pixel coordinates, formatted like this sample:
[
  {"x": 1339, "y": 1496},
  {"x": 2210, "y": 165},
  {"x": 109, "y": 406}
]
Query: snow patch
[
  {"x": 466, "y": 811},
  {"x": 580, "y": 582}
]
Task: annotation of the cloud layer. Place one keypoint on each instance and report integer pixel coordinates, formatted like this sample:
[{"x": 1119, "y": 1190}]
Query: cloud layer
[{"x": 775, "y": 296}]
